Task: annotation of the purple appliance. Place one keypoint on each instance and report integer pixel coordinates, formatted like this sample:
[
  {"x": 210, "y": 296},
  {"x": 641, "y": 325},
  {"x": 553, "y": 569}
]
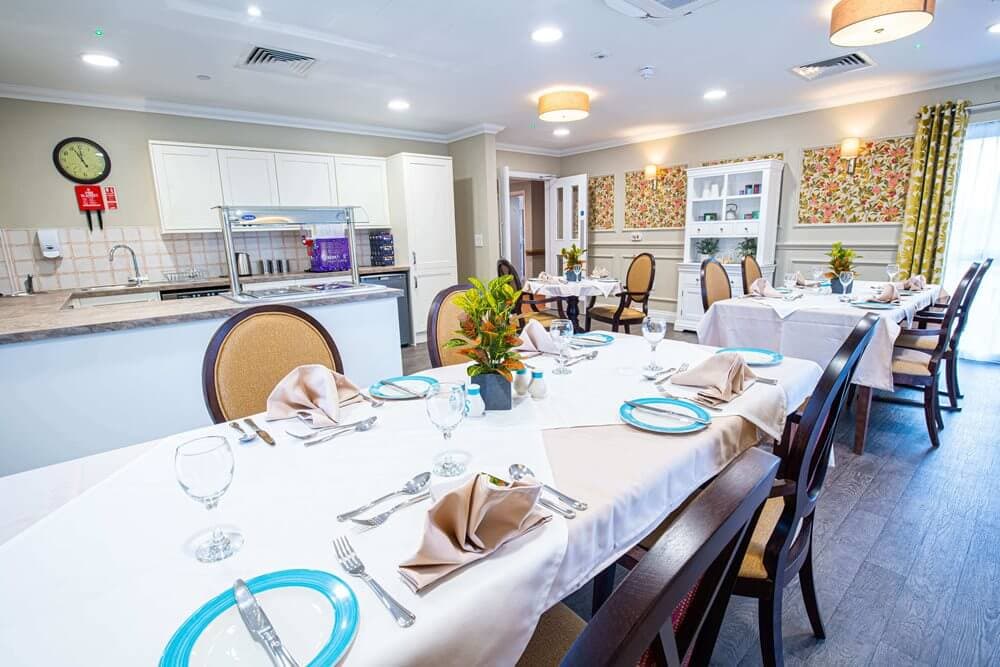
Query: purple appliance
[{"x": 331, "y": 254}]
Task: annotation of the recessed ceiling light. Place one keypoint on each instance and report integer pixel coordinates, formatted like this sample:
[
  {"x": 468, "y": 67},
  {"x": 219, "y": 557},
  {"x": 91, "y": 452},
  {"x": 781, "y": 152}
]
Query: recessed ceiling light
[
  {"x": 561, "y": 132},
  {"x": 995, "y": 28},
  {"x": 547, "y": 34},
  {"x": 715, "y": 94},
  {"x": 399, "y": 105},
  {"x": 99, "y": 60},
  {"x": 254, "y": 11}
]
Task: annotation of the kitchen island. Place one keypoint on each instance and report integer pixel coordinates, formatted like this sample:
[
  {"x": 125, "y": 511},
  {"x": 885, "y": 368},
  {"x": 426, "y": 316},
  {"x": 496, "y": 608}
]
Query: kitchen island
[{"x": 64, "y": 369}]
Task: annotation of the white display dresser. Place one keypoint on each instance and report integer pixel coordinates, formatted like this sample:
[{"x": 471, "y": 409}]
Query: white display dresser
[{"x": 736, "y": 205}]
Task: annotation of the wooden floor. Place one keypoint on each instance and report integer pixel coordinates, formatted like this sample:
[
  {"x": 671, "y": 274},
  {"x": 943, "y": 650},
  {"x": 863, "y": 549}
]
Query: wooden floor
[{"x": 907, "y": 544}]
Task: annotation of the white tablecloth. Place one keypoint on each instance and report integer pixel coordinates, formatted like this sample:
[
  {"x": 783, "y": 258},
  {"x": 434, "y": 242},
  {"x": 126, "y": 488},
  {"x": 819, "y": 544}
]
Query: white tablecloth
[
  {"x": 106, "y": 578},
  {"x": 815, "y": 328},
  {"x": 583, "y": 288}
]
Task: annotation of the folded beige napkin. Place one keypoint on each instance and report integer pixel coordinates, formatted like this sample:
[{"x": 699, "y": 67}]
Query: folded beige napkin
[
  {"x": 312, "y": 389},
  {"x": 917, "y": 282},
  {"x": 469, "y": 523},
  {"x": 548, "y": 278},
  {"x": 801, "y": 281},
  {"x": 761, "y": 287},
  {"x": 722, "y": 377},
  {"x": 534, "y": 338},
  {"x": 888, "y": 294}
]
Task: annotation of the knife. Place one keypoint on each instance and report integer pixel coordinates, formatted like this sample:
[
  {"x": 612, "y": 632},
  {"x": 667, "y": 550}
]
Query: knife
[
  {"x": 405, "y": 390},
  {"x": 666, "y": 411},
  {"x": 264, "y": 435},
  {"x": 259, "y": 626}
]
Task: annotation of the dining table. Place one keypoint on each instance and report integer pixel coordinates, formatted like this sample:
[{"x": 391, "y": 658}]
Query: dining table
[
  {"x": 812, "y": 323},
  {"x": 98, "y": 569},
  {"x": 572, "y": 291}
]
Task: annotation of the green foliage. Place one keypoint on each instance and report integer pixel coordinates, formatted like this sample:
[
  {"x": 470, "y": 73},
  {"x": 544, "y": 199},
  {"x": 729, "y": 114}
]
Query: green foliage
[
  {"x": 488, "y": 327},
  {"x": 572, "y": 256},
  {"x": 707, "y": 246},
  {"x": 841, "y": 259},
  {"x": 747, "y": 247}
]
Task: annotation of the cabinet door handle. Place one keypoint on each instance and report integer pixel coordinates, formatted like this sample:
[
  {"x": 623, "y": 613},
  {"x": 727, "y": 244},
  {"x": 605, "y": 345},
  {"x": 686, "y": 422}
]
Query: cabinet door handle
[
  {"x": 416, "y": 282},
  {"x": 413, "y": 254}
]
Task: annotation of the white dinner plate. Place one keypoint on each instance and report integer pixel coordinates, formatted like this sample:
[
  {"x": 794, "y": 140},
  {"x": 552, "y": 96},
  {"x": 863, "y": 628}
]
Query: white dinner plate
[
  {"x": 420, "y": 384},
  {"x": 755, "y": 356},
  {"x": 663, "y": 423}
]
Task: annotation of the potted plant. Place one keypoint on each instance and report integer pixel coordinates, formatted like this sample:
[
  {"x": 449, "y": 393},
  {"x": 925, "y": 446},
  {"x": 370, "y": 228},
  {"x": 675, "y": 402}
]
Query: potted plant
[
  {"x": 707, "y": 247},
  {"x": 488, "y": 336},
  {"x": 747, "y": 247},
  {"x": 841, "y": 260},
  {"x": 571, "y": 259}
]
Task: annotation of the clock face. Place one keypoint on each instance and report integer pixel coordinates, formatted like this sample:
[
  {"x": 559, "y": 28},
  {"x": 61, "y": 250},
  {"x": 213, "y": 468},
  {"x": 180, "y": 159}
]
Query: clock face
[{"x": 81, "y": 160}]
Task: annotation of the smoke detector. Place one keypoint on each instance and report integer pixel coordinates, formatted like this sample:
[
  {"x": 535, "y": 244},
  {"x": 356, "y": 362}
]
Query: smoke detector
[
  {"x": 657, "y": 9},
  {"x": 647, "y": 72}
]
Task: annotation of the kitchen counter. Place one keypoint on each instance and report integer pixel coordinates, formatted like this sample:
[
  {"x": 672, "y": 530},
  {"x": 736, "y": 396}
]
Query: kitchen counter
[{"x": 371, "y": 270}]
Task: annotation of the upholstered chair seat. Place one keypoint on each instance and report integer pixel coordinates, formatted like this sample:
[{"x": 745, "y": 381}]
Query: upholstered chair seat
[
  {"x": 752, "y": 566},
  {"x": 556, "y": 631},
  {"x": 912, "y": 362},
  {"x": 609, "y": 311}
]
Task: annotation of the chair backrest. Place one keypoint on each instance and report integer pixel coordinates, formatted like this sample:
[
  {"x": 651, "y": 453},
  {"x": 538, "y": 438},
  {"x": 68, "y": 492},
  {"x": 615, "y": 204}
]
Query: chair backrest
[
  {"x": 442, "y": 323},
  {"x": 970, "y": 296},
  {"x": 751, "y": 272},
  {"x": 505, "y": 268},
  {"x": 714, "y": 283},
  {"x": 640, "y": 277},
  {"x": 253, "y": 350},
  {"x": 953, "y": 319},
  {"x": 695, "y": 562},
  {"x": 808, "y": 454}
]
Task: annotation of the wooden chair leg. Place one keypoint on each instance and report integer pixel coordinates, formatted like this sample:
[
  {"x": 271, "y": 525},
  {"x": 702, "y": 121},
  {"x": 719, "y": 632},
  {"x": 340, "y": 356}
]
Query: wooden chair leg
[
  {"x": 769, "y": 613},
  {"x": 937, "y": 408},
  {"x": 614, "y": 327},
  {"x": 586, "y": 323},
  {"x": 953, "y": 363},
  {"x": 628, "y": 328},
  {"x": 809, "y": 595},
  {"x": 929, "y": 415},
  {"x": 951, "y": 380},
  {"x": 604, "y": 584}
]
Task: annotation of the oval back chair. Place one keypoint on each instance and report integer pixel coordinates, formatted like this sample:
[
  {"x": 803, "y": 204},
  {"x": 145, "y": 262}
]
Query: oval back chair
[
  {"x": 636, "y": 291},
  {"x": 714, "y": 283},
  {"x": 442, "y": 323},
  {"x": 751, "y": 272}
]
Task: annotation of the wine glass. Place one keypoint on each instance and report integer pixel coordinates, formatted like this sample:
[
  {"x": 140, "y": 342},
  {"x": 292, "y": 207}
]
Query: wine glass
[
  {"x": 892, "y": 270},
  {"x": 577, "y": 270},
  {"x": 653, "y": 330},
  {"x": 561, "y": 332},
  {"x": 204, "y": 468},
  {"x": 846, "y": 278},
  {"x": 446, "y": 407},
  {"x": 790, "y": 280}
]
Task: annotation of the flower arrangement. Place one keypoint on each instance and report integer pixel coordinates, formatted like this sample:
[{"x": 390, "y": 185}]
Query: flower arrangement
[
  {"x": 488, "y": 328},
  {"x": 572, "y": 256},
  {"x": 707, "y": 247},
  {"x": 841, "y": 259}
]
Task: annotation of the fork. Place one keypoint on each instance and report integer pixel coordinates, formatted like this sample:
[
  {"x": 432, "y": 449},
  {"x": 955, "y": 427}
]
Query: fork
[
  {"x": 693, "y": 399},
  {"x": 379, "y": 519},
  {"x": 680, "y": 369},
  {"x": 353, "y": 566}
]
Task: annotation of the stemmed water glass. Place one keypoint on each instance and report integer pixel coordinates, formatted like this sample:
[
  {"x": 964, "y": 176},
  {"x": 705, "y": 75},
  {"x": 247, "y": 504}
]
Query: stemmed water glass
[
  {"x": 653, "y": 330},
  {"x": 790, "y": 281},
  {"x": 577, "y": 270},
  {"x": 561, "y": 332},
  {"x": 446, "y": 407},
  {"x": 817, "y": 274},
  {"x": 204, "y": 468},
  {"x": 846, "y": 278},
  {"x": 892, "y": 270}
]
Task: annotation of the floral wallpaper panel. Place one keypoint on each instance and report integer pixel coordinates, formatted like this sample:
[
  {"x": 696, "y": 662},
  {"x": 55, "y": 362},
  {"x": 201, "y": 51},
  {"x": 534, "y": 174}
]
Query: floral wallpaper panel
[
  {"x": 748, "y": 158},
  {"x": 601, "y": 192},
  {"x": 664, "y": 207},
  {"x": 875, "y": 192}
]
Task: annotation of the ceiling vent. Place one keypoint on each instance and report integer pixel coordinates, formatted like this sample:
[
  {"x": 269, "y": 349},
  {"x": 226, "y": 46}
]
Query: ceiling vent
[
  {"x": 852, "y": 62},
  {"x": 276, "y": 61},
  {"x": 657, "y": 9}
]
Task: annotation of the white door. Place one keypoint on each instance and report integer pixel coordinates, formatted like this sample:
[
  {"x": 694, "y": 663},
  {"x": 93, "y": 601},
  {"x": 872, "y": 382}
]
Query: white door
[
  {"x": 362, "y": 181},
  {"x": 248, "y": 178},
  {"x": 503, "y": 193},
  {"x": 565, "y": 218},
  {"x": 306, "y": 180},
  {"x": 516, "y": 233},
  {"x": 187, "y": 187}
]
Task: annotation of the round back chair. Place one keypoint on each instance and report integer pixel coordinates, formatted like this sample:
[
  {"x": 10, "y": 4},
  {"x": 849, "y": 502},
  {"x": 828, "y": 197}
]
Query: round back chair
[
  {"x": 442, "y": 326},
  {"x": 751, "y": 272},
  {"x": 714, "y": 283}
]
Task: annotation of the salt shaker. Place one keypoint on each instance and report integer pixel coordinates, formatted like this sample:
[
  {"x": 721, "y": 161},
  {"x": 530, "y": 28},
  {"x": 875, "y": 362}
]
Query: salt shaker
[
  {"x": 538, "y": 389},
  {"x": 474, "y": 402},
  {"x": 521, "y": 382}
]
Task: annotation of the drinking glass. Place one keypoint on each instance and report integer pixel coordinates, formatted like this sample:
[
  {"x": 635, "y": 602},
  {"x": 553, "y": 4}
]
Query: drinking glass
[
  {"x": 561, "y": 332},
  {"x": 577, "y": 270},
  {"x": 892, "y": 270},
  {"x": 446, "y": 408},
  {"x": 790, "y": 280},
  {"x": 846, "y": 278},
  {"x": 204, "y": 468},
  {"x": 653, "y": 330}
]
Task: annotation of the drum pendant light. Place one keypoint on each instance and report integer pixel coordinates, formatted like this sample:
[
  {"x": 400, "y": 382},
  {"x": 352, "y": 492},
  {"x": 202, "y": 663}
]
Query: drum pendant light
[
  {"x": 564, "y": 106},
  {"x": 868, "y": 22}
]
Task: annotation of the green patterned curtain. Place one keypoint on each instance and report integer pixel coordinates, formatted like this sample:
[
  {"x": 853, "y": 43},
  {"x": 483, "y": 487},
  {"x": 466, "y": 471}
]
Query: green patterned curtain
[{"x": 937, "y": 150}]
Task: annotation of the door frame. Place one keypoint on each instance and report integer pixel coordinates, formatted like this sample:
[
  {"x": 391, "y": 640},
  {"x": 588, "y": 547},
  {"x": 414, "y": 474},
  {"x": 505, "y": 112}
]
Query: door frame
[{"x": 504, "y": 176}]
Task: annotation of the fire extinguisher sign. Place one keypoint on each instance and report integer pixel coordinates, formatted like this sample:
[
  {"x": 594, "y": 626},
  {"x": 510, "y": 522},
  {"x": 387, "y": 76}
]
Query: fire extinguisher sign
[{"x": 111, "y": 197}]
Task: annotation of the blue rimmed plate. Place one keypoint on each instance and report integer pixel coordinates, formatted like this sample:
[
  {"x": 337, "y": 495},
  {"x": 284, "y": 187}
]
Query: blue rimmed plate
[
  {"x": 593, "y": 339},
  {"x": 314, "y": 613},
  {"x": 420, "y": 384},
  {"x": 756, "y": 356},
  {"x": 873, "y": 305},
  {"x": 657, "y": 423}
]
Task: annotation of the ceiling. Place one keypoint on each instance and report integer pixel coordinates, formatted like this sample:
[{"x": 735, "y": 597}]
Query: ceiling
[{"x": 464, "y": 63}]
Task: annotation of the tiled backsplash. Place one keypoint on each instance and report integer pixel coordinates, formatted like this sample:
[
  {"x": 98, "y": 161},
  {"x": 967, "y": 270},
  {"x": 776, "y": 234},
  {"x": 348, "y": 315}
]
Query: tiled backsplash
[{"x": 84, "y": 260}]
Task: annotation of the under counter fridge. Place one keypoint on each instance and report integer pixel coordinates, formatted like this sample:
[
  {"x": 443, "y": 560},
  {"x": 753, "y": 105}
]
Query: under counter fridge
[{"x": 401, "y": 282}]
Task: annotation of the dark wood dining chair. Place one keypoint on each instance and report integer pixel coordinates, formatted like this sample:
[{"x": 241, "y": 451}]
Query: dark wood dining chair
[
  {"x": 668, "y": 610},
  {"x": 917, "y": 364},
  {"x": 750, "y": 270},
  {"x": 527, "y": 304},
  {"x": 442, "y": 326},
  {"x": 638, "y": 288},
  {"x": 253, "y": 350},
  {"x": 714, "y": 283}
]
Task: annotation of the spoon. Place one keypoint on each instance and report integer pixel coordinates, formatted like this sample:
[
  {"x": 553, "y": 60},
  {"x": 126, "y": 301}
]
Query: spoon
[
  {"x": 582, "y": 357},
  {"x": 519, "y": 470},
  {"x": 361, "y": 426},
  {"x": 411, "y": 488},
  {"x": 320, "y": 430},
  {"x": 244, "y": 436}
]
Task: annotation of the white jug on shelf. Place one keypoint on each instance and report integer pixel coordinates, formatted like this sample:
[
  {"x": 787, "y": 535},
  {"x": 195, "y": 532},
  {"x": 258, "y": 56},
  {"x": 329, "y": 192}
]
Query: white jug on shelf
[{"x": 715, "y": 191}]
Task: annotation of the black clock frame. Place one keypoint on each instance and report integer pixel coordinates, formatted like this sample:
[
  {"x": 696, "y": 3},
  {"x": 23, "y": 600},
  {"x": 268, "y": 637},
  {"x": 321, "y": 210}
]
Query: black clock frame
[{"x": 82, "y": 181}]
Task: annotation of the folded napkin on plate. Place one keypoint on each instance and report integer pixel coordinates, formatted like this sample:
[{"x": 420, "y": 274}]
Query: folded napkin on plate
[
  {"x": 917, "y": 282},
  {"x": 469, "y": 523},
  {"x": 312, "y": 389},
  {"x": 599, "y": 273},
  {"x": 761, "y": 287},
  {"x": 722, "y": 377},
  {"x": 801, "y": 281},
  {"x": 888, "y": 294},
  {"x": 534, "y": 338},
  {"x": 553, "y": 280}
]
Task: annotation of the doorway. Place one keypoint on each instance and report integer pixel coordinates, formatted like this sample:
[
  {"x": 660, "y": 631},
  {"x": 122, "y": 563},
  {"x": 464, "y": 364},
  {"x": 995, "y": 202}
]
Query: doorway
[{"x": 523, "y": 213}]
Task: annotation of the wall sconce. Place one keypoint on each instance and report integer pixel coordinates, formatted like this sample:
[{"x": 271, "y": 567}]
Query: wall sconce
[
  {"x": 649, "y": 173},
  {"x": 850, "y": 149}
]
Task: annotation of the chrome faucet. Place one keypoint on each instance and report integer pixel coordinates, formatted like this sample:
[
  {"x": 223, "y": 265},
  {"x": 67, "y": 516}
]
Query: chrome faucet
[{"x": 138, "y": 279}]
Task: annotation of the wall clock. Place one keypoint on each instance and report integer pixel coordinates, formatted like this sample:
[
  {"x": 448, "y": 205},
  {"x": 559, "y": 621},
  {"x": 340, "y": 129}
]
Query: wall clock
[{"x": 81, "y": 160}]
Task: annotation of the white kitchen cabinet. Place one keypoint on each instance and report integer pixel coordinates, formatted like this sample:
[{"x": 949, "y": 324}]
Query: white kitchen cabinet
[
  {"x": 306, "y": 180},
  {"x": 363, "y": 181},
  {"x": 248, "y": 178},
  {"x": 422, "y": 206},
  {"x": 188, "y": 186}
]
